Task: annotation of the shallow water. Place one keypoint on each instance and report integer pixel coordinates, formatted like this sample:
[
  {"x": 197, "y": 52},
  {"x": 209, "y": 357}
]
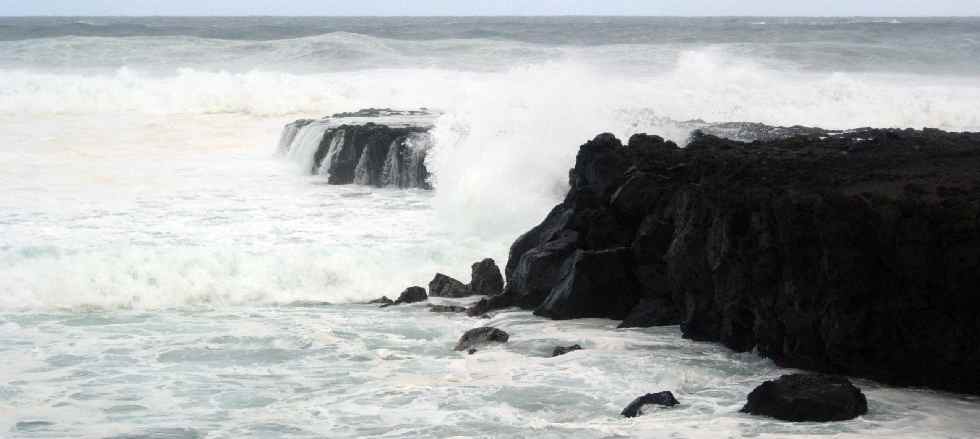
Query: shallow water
[{"x": 356, "y": 371}]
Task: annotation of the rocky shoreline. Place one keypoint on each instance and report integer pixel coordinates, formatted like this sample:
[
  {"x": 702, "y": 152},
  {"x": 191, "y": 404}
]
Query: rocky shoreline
[{"x": 854, "y": 253}]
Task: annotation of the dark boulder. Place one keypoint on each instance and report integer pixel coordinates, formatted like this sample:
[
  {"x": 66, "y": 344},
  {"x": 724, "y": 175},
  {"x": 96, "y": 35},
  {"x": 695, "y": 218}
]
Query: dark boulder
[
  {"x": 593, "y": 284},
  {"x": 445, "y": 286},
  {"x": 481, "y": 336},
  {"x": 486, "y": 278},
  {"x": 664, "y": 399},
  {"x": 410, "y": 295},
  {"x": 562, "y": 350},
  {"x": 807, "y": 398},
  {"x": 447, "y": 309}
]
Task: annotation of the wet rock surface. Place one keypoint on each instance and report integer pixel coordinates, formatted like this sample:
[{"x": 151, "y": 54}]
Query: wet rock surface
[
  {"x": 477, "y": 337},
  {"x": 445, "y": 286},
  {"x": 486, "y": 278},
  {"x": 845, "y": 253},
  {"x": 807, "y": 398},
  {"x": 663, "y": 399},
  {"x": 373, "y": 147}
]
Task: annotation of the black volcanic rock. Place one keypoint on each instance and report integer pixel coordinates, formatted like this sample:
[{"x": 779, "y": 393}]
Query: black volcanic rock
[
  {"x": 445, "y": 286},
  {"x": 375, "y": 147},
  {"x": 486, "y": 278},
  {"x": 477, "y": 337},
  {"x": 635, "y": 408},
  {"x": 846, "y": 253},
  {"x": 593, "y": 284},
  {"x": 562, "y": 350},
  {"x": 807, "y": 398},
  {"x": 410, "y": 295},
  {"x": 651, "y": 312}
]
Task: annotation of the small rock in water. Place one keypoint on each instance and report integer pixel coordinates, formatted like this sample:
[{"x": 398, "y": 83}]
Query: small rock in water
[
  {"x": 471, "y": 351},
  {"x": 384, "y": 300},
  {"x": 807, "y": 398},
  {"x": 446, "y": 308},
  {"x": 635, "y": 408},
  {"x": 562, "y": 350},
  {"x": 445, "y": 286},
  {"x": 486, "y": 278},
  {"x": 481, "y": 336},
  {"x": 410, "y": 295}
]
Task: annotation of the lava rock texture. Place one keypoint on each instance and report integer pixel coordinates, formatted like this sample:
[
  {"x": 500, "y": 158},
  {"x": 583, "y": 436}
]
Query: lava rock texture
[
  {"x": 847, "y": 253},
  {"x": 807, "y": 398}
]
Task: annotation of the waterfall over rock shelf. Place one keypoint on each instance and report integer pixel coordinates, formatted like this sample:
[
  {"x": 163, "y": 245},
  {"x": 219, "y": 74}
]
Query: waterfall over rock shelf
[{"x": 373, "y": 147}]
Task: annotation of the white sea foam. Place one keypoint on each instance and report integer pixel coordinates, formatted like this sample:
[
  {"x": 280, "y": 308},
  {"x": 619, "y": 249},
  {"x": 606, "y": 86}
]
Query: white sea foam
[
  {"x": 146, "y": 226},
  {"x": 501, "y": 150}
]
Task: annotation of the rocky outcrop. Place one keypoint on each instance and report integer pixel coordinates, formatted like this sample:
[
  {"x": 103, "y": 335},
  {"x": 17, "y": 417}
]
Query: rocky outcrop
[
  {"x": 807, "y": 398},
  {"x": 486, "y": 278},
  {"x": 663, "y": 399},
  {"x": 445, "y": 286},
  {"x": 477, "y": 337},
  {"x": 374, "y": 147},
  {"x": 846, "y": 253}
]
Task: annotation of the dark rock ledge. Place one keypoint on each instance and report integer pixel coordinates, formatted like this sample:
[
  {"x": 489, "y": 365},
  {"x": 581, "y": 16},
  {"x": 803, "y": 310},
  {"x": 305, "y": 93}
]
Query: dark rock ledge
[
  {"x": 853, "y": 253},
  {"x": 372, "y": 147}
]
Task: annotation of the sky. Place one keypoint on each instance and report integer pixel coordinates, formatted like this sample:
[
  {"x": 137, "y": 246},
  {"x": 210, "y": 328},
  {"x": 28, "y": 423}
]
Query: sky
[{"x": 494, "y": 7}]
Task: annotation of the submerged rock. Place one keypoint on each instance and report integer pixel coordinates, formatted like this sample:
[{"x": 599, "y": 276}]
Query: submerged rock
[
  {"x": 445, "y": 286},
  {"x": 481, "y": 336},
  {"x": 486, "y": 278},
  {"x": 635, "y": 408},
  {"x": 447, "y": 309},
  {"x": 807, "y": 398},
  {"x": 845, "y": 252},
  {"x": 562, "y": 350},
  {"x": 384, "y": 300}
]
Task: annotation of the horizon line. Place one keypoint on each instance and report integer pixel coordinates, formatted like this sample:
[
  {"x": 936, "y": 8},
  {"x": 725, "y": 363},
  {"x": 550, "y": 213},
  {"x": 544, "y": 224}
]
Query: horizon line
[{"x": 476, "y": 16}]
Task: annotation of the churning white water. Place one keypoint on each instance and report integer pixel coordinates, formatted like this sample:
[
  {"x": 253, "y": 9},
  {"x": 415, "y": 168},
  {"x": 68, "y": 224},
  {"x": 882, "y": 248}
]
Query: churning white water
[{"x": 164, "y": 274}]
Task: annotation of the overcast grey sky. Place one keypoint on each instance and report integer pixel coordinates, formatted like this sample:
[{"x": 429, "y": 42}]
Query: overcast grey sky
[{"x": 492, "y": 7}]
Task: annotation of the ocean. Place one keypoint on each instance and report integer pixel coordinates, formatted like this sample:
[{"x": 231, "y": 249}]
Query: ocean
[{"x": 165, "y": 274}]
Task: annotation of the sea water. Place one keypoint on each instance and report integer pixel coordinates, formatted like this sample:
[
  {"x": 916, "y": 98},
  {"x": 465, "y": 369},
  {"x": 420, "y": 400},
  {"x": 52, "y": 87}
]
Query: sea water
[{"x": 165, "y": 274}]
